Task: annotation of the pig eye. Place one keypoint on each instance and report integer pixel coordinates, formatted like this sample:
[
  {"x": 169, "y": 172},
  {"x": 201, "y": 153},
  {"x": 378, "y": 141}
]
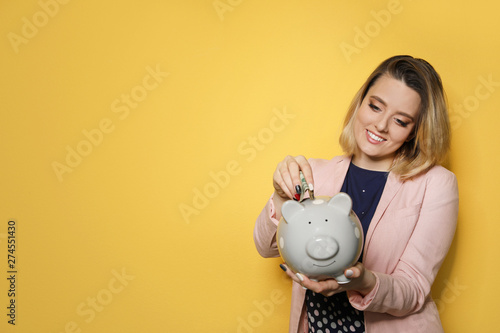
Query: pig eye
[
  {"x": 309, "y": 222},
  {"x": 326, "y": 220}
]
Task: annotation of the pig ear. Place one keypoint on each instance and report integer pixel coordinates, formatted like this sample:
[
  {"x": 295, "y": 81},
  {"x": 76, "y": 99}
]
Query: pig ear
[
  {"x": 290, "y": 208},
  {"x": 341, "y": 201}
]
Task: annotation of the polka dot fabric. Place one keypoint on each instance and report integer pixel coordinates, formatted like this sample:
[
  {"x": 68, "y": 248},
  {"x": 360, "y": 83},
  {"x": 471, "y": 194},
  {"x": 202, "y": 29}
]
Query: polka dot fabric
[{"x": 333, "y": 314}]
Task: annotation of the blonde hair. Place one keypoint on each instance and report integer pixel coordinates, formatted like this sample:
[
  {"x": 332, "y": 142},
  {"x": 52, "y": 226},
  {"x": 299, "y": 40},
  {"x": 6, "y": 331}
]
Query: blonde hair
[{"x": 430, "y": 140}]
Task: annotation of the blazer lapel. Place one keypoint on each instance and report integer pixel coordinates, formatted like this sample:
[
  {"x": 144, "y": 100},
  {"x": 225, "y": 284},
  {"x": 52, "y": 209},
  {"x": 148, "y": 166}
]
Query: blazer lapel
[
  {"x": 392, "y": 187},
  {"x": 340, "y": 171}
]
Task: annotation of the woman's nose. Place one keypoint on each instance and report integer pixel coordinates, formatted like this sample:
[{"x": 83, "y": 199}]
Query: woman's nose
[{"x": 382, "y": 124}]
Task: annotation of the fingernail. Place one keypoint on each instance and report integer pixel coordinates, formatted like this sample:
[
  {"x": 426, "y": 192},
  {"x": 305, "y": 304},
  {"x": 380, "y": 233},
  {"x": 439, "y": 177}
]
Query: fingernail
[
  {"x": 298, "y": 189},
  {"x": 311, "y": 187},
  {"x": 349, "y": 273},
  {"x": 283, "y": 267},
  {"x": 300, "y": 277},
  {"x": 296, "y": 197}
]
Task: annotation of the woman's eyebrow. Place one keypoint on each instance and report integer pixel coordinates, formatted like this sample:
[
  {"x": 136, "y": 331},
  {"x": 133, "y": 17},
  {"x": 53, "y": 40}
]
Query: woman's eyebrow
[
  {"x": 379, "y": 99},
  {"x": 406, "y": 115}
]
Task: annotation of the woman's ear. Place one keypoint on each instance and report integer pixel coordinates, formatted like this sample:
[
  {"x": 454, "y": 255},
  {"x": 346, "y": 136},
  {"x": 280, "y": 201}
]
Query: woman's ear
[{"x": 290, "y": 208}]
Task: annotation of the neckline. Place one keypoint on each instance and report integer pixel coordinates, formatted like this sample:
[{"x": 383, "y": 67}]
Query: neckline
[{"x": 368, "y": 170}]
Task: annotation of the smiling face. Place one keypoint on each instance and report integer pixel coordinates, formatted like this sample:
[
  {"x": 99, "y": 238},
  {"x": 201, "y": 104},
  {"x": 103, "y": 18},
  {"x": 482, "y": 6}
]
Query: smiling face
[{"x": 384, "y": 121}]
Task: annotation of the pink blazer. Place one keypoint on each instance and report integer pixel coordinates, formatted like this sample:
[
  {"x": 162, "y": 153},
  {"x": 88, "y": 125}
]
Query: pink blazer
[{"x": 407, "y": 241}]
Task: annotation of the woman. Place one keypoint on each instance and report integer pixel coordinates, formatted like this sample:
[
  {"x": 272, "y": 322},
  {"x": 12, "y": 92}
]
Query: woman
[{"x": 395, "y": 134}]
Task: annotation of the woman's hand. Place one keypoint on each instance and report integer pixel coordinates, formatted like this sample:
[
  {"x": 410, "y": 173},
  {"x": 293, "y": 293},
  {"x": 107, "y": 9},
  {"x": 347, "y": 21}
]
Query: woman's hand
[
  {"x": 286, "y": 178},
  {"x": 362, "y": 281}
]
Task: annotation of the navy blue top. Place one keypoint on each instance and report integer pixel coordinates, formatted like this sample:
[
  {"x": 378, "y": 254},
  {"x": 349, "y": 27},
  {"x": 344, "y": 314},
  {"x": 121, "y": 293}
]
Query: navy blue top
[
  {"x": 335, "y": 313},
  {"x": 365, "y": 188}
]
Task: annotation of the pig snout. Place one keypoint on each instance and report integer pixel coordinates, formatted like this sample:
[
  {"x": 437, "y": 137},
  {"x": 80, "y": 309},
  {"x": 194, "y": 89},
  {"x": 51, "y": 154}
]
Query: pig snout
[{"x": 322, "y": 247}]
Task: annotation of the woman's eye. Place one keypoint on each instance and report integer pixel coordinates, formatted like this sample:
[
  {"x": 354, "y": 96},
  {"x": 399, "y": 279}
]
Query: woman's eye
[
  {"x": 401, "y": 123},
  {"x": 374, "y": 107}
]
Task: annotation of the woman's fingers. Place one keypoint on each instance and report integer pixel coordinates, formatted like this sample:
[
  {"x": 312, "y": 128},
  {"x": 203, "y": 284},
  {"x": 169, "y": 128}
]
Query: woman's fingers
[
  {"x": 280, "y": 185},
  {"x": 289, "y": 171},
  {"x": 290, "y": 273},
  {"x": 326, "y": 287},
  {"x": 353, "y": 272},
  {"x": 305, "y": 167},
  {"x": 286, "y": 178}
]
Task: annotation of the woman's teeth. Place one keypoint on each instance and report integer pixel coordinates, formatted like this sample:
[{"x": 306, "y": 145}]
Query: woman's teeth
[{"x": 374, "y": 137}]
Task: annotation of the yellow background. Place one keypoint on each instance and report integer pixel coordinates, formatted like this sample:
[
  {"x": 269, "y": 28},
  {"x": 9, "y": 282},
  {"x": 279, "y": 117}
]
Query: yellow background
[{"x": 232, "y": 68}]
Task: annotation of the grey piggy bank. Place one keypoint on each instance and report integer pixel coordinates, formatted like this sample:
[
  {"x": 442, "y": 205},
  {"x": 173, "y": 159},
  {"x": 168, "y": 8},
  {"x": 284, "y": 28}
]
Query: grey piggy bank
[{"x": 320, "y": 238}]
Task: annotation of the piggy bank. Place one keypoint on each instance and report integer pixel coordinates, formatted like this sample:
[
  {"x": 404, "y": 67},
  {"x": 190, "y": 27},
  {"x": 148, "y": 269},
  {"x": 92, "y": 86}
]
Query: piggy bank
[{"x": 320, "y": 237}]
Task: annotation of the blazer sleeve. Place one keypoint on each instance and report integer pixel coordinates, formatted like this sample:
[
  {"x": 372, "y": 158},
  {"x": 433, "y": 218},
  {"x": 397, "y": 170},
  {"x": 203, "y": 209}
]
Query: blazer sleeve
[
  {"x": 407, "y": 288},
  {"x": 264, "y": 233}
]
